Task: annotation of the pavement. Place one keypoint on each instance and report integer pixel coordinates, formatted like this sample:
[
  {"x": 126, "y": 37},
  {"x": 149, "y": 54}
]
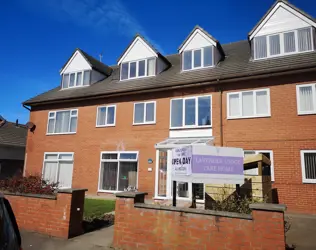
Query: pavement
[{"x": 99, "y": 239}]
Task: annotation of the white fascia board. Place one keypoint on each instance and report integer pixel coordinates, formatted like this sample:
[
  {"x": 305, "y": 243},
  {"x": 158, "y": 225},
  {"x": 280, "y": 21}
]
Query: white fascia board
[{"x": 193, "y": 35}]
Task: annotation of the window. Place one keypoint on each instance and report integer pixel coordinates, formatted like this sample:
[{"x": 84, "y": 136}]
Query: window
[
  {"x": 144, "y": 113},
  {"x": 290, "y": 42},
  {"x": 191, "y": 112},
  {"x": 199, "y": 58},
  {"x": 58, "y": 167},
  {"x": 62, "y": 122},
  {"x": 118, "y": 171},
  {"x": 308, "y": 164},
  {"x": 266, "y": 170},
  {"x": 77, "y": 79},
  {"x": 137, "y": 69},
  {"x": 106, "y": 116},
  {"x": 306, "y": 99},
  {"x": 247, "y": 104}
]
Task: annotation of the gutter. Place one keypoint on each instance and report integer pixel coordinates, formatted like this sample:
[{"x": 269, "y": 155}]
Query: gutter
[{"x": 190, "y": 84}]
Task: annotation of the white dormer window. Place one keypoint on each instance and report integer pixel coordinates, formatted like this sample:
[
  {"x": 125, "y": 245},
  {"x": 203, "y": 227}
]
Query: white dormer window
[
  {"x": 198, "y": 58},
  {"x": 290, "y": 42},
  {"x": 76, "y": 79},
  {"x": 138, "y": 69}
]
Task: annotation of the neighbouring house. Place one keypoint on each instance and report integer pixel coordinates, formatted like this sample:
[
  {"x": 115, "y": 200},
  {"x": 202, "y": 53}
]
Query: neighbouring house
[
  {"x": 109, "y": 128},
  {"x": 12, "y": 148}
]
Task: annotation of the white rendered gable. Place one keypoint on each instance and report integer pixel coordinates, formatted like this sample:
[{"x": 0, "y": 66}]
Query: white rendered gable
[
  {"x": 76, "y": 63},
  {"x": 280, "y": 19},
  {"x": 138, "y": 50},
  {"x": 197, "y": 40}
]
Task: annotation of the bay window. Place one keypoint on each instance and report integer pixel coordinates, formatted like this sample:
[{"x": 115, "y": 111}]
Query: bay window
[
  {"x": 76, "y": 79},
  {"x": 198, "y": 58},
  {"x": 138, "y": 69},
  {"x": 306, "y": 99},
  {"x": 62, "y": 122}
]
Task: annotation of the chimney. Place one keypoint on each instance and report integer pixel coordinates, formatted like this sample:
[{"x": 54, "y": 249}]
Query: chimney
[{"x": 17, "y": 122}]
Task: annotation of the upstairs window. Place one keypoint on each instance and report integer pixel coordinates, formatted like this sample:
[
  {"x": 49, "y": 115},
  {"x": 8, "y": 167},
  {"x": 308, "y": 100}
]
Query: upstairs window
[
  {"x": 62, "y": 122},
  {"x": 306, "y": 99},
  {"x": 144, "y": 113},
  {"x": 76, "y": 79},
  {"x": 290, "y": 42},
  {"x": 106, "y": 116},
  {"x": 138, "y": 69},
  {"x": 198, "y": 58},
  {"x": 191, "y": 112}
]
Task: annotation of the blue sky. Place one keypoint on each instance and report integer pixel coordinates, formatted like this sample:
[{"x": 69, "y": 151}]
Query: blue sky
[{"x": 37, "y": 37}]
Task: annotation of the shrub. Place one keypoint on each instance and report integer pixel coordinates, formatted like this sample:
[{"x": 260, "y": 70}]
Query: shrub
[{"x": 28, "y": 185}]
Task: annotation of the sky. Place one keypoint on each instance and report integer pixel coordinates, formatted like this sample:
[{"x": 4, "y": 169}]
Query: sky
[{"x": 37, "y": 37}]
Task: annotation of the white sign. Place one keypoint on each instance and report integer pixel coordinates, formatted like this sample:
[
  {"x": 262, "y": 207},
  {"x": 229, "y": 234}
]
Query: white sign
[{"x": 182, "y": 160}]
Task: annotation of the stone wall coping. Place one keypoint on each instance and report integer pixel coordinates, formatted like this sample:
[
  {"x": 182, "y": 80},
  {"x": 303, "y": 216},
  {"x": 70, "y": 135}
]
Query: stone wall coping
[
  {"x": 40, "y": 196},
  {"x": 194, "y": 211},
  {"x": 130, "y": 194},
  {"x": 268, "y": 207},
  {"x": 71, "y": 190}
]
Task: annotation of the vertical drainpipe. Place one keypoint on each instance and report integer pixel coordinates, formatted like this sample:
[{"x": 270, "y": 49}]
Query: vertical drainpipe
[{"x": 221, "y": 115}]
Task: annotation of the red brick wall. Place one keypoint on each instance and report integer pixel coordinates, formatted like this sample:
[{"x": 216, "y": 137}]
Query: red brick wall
[
  {"x": 151, "y": 229},
  {"x": 55, "y": 217}
]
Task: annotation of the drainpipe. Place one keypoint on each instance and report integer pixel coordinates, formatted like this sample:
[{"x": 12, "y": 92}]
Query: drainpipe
[{"x": 221, "y": 115}]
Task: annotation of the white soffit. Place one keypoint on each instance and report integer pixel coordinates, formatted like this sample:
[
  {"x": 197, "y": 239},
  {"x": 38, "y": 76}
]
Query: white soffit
[
  {"x": 76, "y": 63},
  {"x": 197, "y": 40},
  {"x": 282, "y": 18},
  {"x": 138, "y": 50}
]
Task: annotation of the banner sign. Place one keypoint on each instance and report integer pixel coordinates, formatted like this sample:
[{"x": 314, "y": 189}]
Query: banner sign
[{"x": 182, "y": 161}]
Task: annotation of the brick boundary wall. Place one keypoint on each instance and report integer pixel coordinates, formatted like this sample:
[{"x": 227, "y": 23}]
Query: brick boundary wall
[
  {"x": 60, "y": 216},
  {"x": 151, "y": 227}
]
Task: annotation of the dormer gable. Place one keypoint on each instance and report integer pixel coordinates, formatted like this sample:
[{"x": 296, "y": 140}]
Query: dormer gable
[
  {"x": 81, "y": 70},
  {"x": 141, "y": 59},
  {"x": 283, "y": 30},
  {"x": 200, "y": 50}
]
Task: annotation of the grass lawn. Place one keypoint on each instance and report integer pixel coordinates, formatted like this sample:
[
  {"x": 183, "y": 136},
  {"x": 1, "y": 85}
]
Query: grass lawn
[{"x": 95, "y": 208}]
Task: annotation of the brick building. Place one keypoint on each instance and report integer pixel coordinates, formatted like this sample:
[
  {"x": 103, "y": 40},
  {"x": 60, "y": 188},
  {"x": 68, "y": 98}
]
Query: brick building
[{"x": 108, "y": 128}]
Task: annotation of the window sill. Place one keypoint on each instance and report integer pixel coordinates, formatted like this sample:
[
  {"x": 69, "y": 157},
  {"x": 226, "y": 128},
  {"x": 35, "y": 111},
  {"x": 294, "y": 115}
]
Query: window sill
[
  {"x": 75, "y": 87},
  {"x": 136, "y": 78},
  {"x": 197, "y": 69},
  {"x": 191, "y": 127},
  {"x": 249, "y": 117},
  {"x": 105, "y": 126},
  {"x": 70, "y": 133},
  {"x": 307, "y": 113},
  {"x": 148, "y": 123},
  {"x": 309, "y": 181}
]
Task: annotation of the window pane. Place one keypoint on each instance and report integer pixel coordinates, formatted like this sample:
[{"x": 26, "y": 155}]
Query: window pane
[
  {"x": 109, "y": 156},
  {"x": 197, "y": 58},
  {"x": 139, "y": 113},
  {"x": 304, "y": 39},
  {"x": 199, "y": 190},
  {"x": 65, "y": 81},
  {"x": 66, "y": 156},
  {"x": 176, "y": 113},
  {"x": 65, "y": 174},
  {"x": 162, "y": 174},
  {"x": 310, "y": 165},
  {"x": 150, "y": 112},
  {"x": 306, "y": 98},
  {"x": 124, "y": 71},
  {"x": 125, "y": 156},
  {"x": 187, "y": 60},
  {"x": 262, "y": 103},
  {"x": 73, "y": 124},
  {"x": 234, "y": 105},
  {"x": 108, "y": 176},
  {"x": 101, "y": 116},
  {"x": 183, "y": 189},
  {"x": 52, "y": 114},
  {"x": 74, "y": 112},
  {"x": 208, "y": 56},
  {"x": 50, "y": 170},
  {"x": 51, "y": 157},
  {"x": 62, "y": 122},
  {"x": 132, "y": 69},
  {"x": 151, "y": 67},
  {"x": 247, "y": 103},
  {"x": 289, "y": 42},
  {"x": 204, "y": 111},
  {"x": 274, "y": 45},
  {"x": 128, "y": 175},
  {"x": 260, "y": 47},
  {"x": 72, "y": 80},
  {"x": 189, "y": 111},
  {"x": 141, "y": 68},
  {"x": 51, "y": 126},
  {"x": 79, "y": 79},
  {"x": 86, "y": 78},
  {"x": 110, "y": 115}
]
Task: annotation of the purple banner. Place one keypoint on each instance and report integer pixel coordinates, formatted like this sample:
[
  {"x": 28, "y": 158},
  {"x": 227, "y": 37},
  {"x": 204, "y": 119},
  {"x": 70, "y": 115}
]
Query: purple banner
[{"x": 209, "y": 164}]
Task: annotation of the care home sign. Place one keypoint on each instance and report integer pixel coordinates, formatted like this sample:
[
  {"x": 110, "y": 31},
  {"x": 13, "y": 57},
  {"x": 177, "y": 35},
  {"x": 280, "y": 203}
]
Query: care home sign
[{"x": 208, "y": 164}]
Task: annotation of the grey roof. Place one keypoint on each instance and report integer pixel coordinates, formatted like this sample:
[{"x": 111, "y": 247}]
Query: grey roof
[
  {"x": 12, "y": 135},
  {"x": 237, "y": 64},
  {"x": 288, "y": 4}
]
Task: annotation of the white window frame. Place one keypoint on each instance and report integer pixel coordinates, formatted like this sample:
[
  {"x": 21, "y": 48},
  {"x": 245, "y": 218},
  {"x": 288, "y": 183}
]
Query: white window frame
[
  {"x": 54, "y": 118},
  {"x": 304, "y": 179},
  {"x": 299, "y": 111},
  {"x": 106, "y": 115},
  {"x": 196, "y": 112},
  {"x": 137, "y": 65},
  {"x": 75, "y": 86},
  {"x": 271, "y": 160},
  {"x": 118, "y": 160},
  {"x": 202, "y": 59},
  {"x": 58, "y": 165},
  {"x": 254, "y": 104},
  {"x": 145, "y": 104},
  {"x": 281, "y": 35}
]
